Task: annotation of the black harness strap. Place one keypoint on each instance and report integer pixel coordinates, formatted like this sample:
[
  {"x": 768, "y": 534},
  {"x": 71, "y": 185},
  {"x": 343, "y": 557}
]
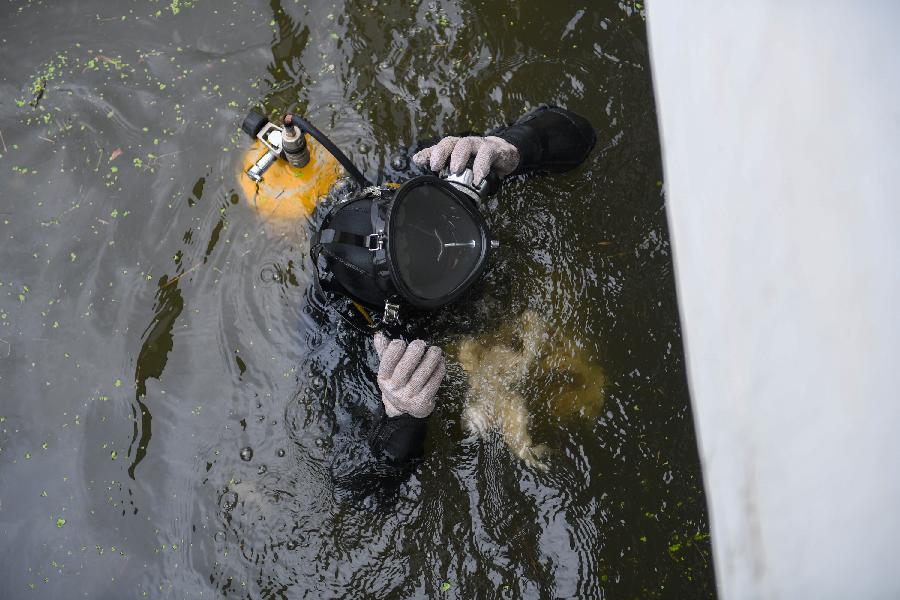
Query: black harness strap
[
  {"x": 333, "y": 236},
  {"x": 324, "y": 250},
  {"x": 315, "y": 250}
]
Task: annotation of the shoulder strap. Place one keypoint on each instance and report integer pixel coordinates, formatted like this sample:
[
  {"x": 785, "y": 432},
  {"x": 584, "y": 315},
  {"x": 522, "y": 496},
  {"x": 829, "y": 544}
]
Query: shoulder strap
[{"x": 334, "y": 236}]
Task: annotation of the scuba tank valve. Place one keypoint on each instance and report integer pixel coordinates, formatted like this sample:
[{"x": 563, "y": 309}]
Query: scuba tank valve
[
  {"x": 289, "y": 142},
  {"x": 258, "y": 126}
]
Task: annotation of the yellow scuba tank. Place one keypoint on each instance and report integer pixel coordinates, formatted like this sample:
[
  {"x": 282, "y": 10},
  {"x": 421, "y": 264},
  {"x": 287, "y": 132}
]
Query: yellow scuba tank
[
  {"x": 288, "y": 193},
  {"x": 288, "y": 189}
]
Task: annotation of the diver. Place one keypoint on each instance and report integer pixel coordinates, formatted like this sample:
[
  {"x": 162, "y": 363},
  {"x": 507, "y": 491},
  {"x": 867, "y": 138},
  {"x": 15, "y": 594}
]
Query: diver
[
  {"x": 395, "y": 251},
  {"x": 423, "y": 245}
]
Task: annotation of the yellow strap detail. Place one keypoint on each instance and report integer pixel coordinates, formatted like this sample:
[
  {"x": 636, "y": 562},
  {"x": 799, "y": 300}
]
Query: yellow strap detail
[{"x": 363, "y": 312}]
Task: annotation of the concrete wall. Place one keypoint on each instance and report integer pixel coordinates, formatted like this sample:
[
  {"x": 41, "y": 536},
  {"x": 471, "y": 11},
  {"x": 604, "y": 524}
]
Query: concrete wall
[{"x": 780, "y": 125}]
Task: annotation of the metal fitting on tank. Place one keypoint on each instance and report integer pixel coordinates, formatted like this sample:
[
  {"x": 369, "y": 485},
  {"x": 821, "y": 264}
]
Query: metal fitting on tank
[
  {"x": 256, "y": 125},
  {"x": 293, "y": 143}
]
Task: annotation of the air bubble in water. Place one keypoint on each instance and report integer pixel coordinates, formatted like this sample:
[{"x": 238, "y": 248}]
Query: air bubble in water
[
  {"x": 268, "y": 274},
  {"x": 399, "y": 162},
  {"x": 246, "y": 453},
  {"x": 343, "y": 187}
]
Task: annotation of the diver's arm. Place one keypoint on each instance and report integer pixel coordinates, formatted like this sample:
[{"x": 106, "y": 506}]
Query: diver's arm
[
  {"x": 550, "y": 138},
  {"x": 397, "y": 444},
  {"x": 409, "y": 376},
  {"x": 547, "y": 138},
  {"x": 399, "y": 440}
]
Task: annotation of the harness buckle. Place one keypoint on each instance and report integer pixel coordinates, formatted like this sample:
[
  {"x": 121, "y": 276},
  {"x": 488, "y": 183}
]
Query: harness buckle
[
  {"x": 391, "y": 314},
  {"x": 375, "y": 241}
]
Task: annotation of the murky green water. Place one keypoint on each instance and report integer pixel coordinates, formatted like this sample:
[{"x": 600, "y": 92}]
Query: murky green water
[{"x": 151, "y": 327}]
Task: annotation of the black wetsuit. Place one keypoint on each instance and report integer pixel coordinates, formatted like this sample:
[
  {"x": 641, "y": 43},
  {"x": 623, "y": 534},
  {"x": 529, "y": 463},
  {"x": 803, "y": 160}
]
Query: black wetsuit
[{"x": 548, "y": 139}]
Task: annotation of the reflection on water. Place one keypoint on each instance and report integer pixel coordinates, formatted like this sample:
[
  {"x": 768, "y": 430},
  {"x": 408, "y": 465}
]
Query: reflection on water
[
  {"x": 176, "y": 417},
  {"x": 152, "y": 360}
]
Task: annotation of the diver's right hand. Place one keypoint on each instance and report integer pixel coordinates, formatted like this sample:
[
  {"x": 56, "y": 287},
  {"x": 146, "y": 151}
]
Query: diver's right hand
[
  {"x": 490, "y": 153},
  {"x": 409, "y": 375}
]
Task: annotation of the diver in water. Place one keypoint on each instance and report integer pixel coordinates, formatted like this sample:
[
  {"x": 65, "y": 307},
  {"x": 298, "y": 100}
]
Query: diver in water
[{"x": 422, "y": 246}]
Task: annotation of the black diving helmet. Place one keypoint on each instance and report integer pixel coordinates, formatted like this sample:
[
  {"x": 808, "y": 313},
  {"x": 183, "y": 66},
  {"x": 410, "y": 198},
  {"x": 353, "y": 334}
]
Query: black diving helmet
[
  {"x": 426, "y": 243},
  {"x": 423, "y": 244}
]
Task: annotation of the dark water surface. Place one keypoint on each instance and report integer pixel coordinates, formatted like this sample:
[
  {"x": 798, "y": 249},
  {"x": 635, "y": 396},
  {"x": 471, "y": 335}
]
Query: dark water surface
[{"x": 152, "y": 326}]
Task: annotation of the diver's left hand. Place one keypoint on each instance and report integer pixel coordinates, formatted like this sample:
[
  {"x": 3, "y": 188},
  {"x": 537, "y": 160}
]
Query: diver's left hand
[
  {"x": 491, "y": 153},
  {"x": 409, "y": 375}
]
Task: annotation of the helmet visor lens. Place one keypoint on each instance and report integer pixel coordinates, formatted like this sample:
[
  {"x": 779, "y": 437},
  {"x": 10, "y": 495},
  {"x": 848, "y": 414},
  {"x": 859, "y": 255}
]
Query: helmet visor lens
[{"x": 437, "y": 244}]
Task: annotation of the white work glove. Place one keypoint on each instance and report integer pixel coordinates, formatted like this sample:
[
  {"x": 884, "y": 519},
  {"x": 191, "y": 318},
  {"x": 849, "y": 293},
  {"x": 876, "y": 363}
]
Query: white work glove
[
  {"x": 409, "y": 375},
  {"x": 491, "y": 153}
]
